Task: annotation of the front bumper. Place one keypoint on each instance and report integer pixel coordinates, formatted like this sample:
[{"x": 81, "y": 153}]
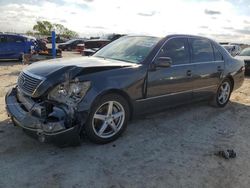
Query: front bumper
[{"x": 28, "y": 119}]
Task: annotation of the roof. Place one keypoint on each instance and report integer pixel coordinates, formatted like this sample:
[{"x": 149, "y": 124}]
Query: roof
[
  {"x": 19, "y": 35},
  {"x": 185, "y": 35},
  {"x": 170, "y": 36}
]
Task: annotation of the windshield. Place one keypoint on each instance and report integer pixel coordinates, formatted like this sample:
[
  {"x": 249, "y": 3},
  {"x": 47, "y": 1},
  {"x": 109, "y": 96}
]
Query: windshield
[
  {"x": 245, "y": 52},
  {"x": 130, "y": 49}
]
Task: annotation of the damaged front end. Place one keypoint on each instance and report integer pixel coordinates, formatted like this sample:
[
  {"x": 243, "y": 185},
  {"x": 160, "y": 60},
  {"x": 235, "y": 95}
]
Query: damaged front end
[{"x": 52, "y": 117}]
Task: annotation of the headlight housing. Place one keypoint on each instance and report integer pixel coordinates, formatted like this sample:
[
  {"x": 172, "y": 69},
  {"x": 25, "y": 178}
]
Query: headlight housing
[{"x": 70, "y": 92}]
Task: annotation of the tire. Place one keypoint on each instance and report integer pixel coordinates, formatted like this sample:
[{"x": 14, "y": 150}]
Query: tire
[
  {"x": 13, "y": 121},
  {"x": 223, "y": 94},
  {"x": 20, "y": 58},
  {"x": 108, "y": 119}
]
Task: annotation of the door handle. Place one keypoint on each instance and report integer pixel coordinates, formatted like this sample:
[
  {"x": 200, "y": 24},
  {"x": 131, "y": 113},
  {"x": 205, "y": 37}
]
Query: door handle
[
  {"x": 219, "y": 69},
  {"x": 189, "y": 73}
]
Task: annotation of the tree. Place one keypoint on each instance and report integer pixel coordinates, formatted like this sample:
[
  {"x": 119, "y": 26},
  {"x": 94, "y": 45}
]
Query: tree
[
  {"x": 29, "y": 33},
  {"x": 63, "y": 31},
  {"x": 45, "y": 28}
]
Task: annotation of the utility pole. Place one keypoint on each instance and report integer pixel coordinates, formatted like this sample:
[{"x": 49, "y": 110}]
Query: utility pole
[{"x": 53, "y": 40}]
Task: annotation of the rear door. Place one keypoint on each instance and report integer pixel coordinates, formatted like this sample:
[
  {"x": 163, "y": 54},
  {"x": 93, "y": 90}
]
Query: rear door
[
  {"x": 208, "y": 67},
  {"x": 172, "y": 85}
]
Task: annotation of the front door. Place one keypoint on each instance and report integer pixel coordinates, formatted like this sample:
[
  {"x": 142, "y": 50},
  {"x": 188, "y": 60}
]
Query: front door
[
  {"x": 3, "y": 46},
  {"x": 171, "y": 85}
]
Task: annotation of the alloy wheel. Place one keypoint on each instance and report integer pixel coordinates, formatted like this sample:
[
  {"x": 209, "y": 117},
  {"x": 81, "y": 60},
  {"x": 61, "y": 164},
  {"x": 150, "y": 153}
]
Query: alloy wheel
[
  {"x": 224, "y": 93},
  {"x": 108, "y": 119}
]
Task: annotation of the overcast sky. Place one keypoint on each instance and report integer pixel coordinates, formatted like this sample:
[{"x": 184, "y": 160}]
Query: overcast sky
[{"x": 223, "y": 20}]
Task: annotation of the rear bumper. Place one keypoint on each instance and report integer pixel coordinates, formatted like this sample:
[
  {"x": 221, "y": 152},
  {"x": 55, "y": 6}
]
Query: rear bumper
[{"x": 36, "y": 126}]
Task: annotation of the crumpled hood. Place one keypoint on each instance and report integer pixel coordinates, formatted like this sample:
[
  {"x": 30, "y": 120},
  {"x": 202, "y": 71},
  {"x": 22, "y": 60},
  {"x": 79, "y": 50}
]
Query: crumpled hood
[{"x": 45, "y": 68}]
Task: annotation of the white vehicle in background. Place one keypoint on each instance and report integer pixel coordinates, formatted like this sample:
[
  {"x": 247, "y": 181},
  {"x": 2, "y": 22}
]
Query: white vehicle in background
[
  {"x": 245, "y": 56},
  {"x": 233, "y": 49}
]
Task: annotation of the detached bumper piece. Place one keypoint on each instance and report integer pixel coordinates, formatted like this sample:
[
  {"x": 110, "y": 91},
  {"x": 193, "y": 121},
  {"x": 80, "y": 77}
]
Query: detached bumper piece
[{"x": 32, "y": 117}]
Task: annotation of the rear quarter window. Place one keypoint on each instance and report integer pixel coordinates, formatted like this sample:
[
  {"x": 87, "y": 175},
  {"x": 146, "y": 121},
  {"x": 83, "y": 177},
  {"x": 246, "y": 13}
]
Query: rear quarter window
[{"x": 217, "y": 54}]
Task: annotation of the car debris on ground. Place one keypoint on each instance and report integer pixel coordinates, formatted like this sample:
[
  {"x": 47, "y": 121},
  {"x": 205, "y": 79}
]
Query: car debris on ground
[{"x": 226, "y": 154}]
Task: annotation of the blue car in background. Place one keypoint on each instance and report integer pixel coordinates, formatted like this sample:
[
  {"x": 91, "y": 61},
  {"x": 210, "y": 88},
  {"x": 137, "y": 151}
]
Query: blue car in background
[{"x": 12, "y": 46}]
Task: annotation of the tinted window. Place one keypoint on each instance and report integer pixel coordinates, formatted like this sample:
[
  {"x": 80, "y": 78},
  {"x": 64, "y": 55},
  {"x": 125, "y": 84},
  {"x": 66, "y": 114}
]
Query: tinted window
[
  {"x": 217, "y": 55},
  {"x": 2, "y": 39},
  {"x": 19, "y": 39},
  {"x": 177, "y": 50},
  {"x": 202, "y": 50},
  {"x": 78, "y": 42},
  {"x": 15, "y": 39}
]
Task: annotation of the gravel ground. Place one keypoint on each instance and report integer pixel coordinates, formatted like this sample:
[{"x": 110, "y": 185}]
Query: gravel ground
[{"x": 174, "y": 148}]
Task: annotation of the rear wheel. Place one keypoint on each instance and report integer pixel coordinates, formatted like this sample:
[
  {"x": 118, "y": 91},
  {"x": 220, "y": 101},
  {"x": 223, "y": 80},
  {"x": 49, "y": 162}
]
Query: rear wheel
[
  {"x": 20, "y": 57},
  {"x": 108, "y": 119},
  {"x": 223, "y": 94}
]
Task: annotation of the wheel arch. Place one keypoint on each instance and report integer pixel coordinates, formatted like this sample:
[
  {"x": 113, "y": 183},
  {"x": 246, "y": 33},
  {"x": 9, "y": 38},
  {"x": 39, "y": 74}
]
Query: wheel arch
[{"x": 231, "y": 80}]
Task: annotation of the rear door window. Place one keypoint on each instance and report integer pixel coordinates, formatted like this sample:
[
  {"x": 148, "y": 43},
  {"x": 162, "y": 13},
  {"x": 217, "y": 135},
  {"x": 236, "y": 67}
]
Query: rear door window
[
  {"x": 217, "y": 54},
  {"x": 177, "y": 50},
  {"x": 201, "y": 50},
  {"x": 15, "y": 39}
]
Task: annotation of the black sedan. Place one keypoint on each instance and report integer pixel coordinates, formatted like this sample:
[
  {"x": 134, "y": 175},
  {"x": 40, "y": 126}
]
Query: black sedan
[
  {"x": 93, "y": 45},
  {"x": 71, "y": 44},
  {"x": 96, "y": 96}
]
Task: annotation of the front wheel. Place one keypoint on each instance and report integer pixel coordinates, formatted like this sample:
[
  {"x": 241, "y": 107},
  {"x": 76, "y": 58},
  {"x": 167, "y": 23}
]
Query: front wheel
[
  {"x": 108, "y": 119},
  {"x": 223, "y": 94}
]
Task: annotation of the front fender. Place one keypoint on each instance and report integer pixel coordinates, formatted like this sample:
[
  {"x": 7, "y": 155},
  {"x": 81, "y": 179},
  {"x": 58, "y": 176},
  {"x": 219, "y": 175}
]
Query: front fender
[{"x": 127, "y": 82}]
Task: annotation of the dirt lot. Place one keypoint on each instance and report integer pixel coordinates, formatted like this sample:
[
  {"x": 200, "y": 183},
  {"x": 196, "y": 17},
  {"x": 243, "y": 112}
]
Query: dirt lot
[{"x": 174, "y": 148}]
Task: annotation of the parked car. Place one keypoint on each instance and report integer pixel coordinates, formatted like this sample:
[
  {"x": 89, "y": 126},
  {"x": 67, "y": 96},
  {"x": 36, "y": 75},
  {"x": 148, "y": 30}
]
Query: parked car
[
  {"x": 13, "y": 46},
  {"x": 245, "y": 56},
  {"x": 80, "y": 47},
  {"x": 71, "y": 44},
  {"x": 93, "y": 45},
  {"x": 233, "y": 49},
  {"x": 98, "y": 95},
  {"x": 58, "y": 39}
]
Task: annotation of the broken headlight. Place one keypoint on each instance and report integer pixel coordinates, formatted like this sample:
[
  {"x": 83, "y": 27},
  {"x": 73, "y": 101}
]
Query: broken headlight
[{"x": 69, "y": 92}]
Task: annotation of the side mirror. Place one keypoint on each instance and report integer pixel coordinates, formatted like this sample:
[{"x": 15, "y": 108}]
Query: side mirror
[{"x": 163, "y": 62}]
